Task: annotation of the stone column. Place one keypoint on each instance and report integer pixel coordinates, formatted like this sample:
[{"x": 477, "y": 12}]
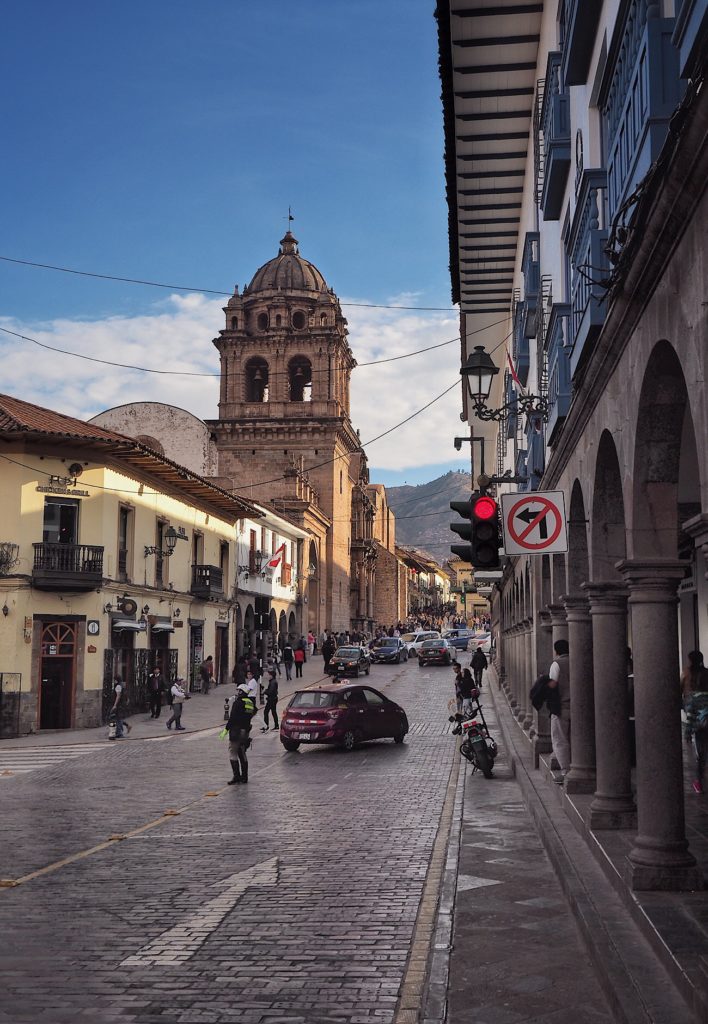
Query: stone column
[
  {"x": 513, "y": 702},
  {"x": 613, "y": 804},
  {"x": 544, "y": 657},
  {"x": 559, "y": 626},
  {"x": 518, "y": 670},
  {"x": 581, "y": 777},
  {"x": 660, "y": 858},
  {"x": 525, "y": 716},
  {"x": 530, "y": 724}
]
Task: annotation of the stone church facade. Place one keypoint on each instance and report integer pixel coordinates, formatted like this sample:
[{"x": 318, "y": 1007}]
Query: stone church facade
[{"x": 284, "y": 437}]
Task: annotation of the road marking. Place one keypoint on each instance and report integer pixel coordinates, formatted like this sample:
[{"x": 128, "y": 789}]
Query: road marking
[
  {"x": 334, "y": 786},
  {"x": 21, "y": 760},
  {"x": 465, "y": 882},
  {"x": 182, "y": 941}
]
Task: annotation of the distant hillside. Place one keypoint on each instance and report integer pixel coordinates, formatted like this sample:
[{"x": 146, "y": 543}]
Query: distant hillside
[{"x": 415, "y": 525}]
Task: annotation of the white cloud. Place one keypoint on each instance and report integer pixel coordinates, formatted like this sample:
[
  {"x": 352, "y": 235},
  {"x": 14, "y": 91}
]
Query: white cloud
[{"x": 177, "y": 334}]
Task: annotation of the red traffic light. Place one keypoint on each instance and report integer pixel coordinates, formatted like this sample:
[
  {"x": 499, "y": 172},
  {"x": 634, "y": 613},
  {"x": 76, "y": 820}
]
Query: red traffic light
[{"x": 484, "y": 508}]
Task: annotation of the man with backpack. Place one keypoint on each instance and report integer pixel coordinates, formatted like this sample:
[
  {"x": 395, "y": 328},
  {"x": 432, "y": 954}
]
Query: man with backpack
[
  {"x": 239, "y": 729},
  {"x": 271, "y": 701},
  {"x": 478, "y": 665}
]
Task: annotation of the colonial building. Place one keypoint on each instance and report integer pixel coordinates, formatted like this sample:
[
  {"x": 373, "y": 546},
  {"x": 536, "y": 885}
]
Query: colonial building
[
  {"x": 391, "y": 582},
  {"x": 577, "y": 163},
  {"x": 113, "y": 560}
]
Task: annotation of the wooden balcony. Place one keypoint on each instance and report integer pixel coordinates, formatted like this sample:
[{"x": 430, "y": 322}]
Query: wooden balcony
[
  {"x": 67, "y": 567},
  {"x": 207, "y": 582}
]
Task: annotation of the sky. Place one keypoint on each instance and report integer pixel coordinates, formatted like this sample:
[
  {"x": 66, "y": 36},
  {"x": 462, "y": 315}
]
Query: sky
[{"x": 165, "y": 140}]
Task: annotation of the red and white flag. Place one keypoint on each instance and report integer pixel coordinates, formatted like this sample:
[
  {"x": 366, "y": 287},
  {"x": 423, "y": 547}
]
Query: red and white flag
[
  {"x": 275, "y": 560},
  {"x": 513, "y": 372}
]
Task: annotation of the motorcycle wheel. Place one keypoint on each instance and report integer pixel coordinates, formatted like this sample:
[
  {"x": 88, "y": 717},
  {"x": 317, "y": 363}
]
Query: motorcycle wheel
[{"x": 484, "y": 762}]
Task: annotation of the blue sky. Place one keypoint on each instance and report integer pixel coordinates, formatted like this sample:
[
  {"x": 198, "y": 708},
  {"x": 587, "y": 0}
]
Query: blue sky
[{"x": 166, "y": 140}]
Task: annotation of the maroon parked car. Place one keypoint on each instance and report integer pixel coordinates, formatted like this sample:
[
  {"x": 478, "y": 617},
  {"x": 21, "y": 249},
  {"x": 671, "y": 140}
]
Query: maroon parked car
[{"x": 341, "y": 713}]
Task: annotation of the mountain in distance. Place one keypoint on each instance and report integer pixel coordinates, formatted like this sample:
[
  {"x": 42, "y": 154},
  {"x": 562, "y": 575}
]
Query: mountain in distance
[{"x": 423, "y": 513}]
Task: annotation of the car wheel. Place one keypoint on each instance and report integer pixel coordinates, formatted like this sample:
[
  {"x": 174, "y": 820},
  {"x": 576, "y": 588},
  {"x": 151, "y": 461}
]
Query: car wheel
[
  {"x": 405, "y": 655},
  {"x": 368, "y": 669},
  {"x": 356, "y": 672},
  {"x": 400, "y": 735},
  {"x": 398, "y": 658},
  {"x": 349, "y": 740},
  {"x": 290, "y": 745},
  {"x": 421, "y": 663}
]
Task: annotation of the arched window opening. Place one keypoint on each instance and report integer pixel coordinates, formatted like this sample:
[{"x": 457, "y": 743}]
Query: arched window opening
[
  {"x": 262, "y": 321},
  {"x": 151, "y": 442},
  {"x": 300, "y": 379},
  {"x": 256, "y": 380},
  {"x": 234, "y": 323},
  {"x": 298, "y": 320},
  {"x": 278, "y": 320},
  {"x": 323, "y": 319}
]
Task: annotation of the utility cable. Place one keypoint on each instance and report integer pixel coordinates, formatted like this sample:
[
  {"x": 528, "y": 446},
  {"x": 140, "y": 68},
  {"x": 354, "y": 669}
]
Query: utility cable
[{"x": 205, "y": 291}]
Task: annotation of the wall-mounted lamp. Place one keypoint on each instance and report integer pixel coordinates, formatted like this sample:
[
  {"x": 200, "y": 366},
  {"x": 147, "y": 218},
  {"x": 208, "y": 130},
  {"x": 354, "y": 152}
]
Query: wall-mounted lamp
[
  {"x": 177, "y": 612},
  {"x": 145, "y": 609},
  {"x": 5, "y": 610},
  {"x": 171, "y": 538},
  {"x": 479, "y": 371}
]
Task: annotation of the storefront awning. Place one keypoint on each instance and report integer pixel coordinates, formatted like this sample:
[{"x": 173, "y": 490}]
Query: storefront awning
[
  {"x": 128, "y": 624},
  {"x": 162, "y": 627}
]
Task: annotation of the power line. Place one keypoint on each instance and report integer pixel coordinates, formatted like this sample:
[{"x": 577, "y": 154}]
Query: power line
[{"x": 193, "y": 288}]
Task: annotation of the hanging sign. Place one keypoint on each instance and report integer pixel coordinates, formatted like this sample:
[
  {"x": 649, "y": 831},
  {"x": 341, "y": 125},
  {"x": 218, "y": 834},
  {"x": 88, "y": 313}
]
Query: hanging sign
[{"x": 534, "y": 524}]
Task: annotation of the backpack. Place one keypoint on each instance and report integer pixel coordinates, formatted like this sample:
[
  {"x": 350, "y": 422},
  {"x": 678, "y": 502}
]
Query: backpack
[
  {"x": 537, "y": 693},
  {"x": 701, "y": 721}
]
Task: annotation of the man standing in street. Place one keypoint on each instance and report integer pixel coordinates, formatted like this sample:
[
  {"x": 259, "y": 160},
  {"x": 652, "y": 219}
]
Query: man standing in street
[
  {"x": 178, "y": 697},
  {"x": 271, "y": 701},
  {"x": 328, "y": 649},
  {"x": 288, "y": 658},
  {"x": 560, "y": 721},
  {"x": 156, "y": 688},
  {"x": 239, "y": 728},
  {"x": 300, "y": 658},
  {"x": 478, "y": 664},
  {"x": 119, "y": 707},
  {"x": 206, "y": 673}
]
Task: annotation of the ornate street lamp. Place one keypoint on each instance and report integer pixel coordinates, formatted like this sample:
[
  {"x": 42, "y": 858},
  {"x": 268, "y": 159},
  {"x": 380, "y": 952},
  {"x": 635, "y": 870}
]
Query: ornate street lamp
[{"x": 479, "y": 371}]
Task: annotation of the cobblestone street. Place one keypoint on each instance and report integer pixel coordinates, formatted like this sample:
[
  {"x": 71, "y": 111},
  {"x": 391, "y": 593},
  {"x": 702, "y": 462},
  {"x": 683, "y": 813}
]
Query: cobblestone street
[{"x": 293, "y": 899}]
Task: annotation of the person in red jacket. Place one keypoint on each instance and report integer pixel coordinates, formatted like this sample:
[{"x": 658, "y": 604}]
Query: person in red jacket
[{"x": 300, "y": 659}]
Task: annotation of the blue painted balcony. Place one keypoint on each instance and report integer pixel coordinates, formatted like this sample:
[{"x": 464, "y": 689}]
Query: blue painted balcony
[
  {"x": 555, "y": 126},
  {"x": 510, "y": 396},
  {"x": 578, "y": 20},
  {"x": 589, "y": 266},
  {"x": 535, "y": 452},
  {"x": 641, "y": 90},
  {"x": 520, "y": 347},
  {"x": 557, "y": 349},
  {"x": 520, "y": 468},
  {"x": 690, "y": 34}
]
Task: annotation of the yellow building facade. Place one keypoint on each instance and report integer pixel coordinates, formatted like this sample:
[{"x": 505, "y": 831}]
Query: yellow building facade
[{"x": 113, "y": 560}]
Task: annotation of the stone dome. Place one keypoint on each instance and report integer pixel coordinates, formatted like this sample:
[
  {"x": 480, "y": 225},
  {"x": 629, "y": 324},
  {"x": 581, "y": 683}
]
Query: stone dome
[{"x": 287, "y": 272}]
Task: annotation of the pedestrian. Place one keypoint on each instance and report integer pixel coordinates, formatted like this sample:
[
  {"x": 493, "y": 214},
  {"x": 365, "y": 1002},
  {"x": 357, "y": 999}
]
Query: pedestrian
[
  {"x": 288, "y": 658},
  {"x": 254, "y": 665},
  {"x": 156, "y": 687},
  {"x": 271, "y": 696},
  {"x": 300, "y": 660},
  {"x": 179, "y": 696},
  {"x": 275, "y": 658},
  {"x": 467, "y": 691},
  {"x": 238, "y": 675},
  {"x": 457, "y": 669},
  {"x": 206, "y": 673},
  {"x": 560, "y": 718},
  {"x": 239, "y": 729},
  {"x": 478, "y": 665},
  {"x": 251, "y": 684},
  {"x": 328, "y": 649},
  {"x": 694, "y": 687},
  {"x": 119, "y": 707},
  {"x": 310, "y": 643}
]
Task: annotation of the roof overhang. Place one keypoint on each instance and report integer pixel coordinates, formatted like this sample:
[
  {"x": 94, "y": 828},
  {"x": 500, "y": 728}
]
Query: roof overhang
[{"x": 488, "y": 55}]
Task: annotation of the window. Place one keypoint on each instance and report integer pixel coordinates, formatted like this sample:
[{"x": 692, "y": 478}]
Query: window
[
  {"x": 262, "y": 321},
  {"x": 234, "y": 323},
  {"x": 150, "y": 442},
  {"x": 224, "y": 564},
  {"x": 61, "y": 521},
  {"x": 161, "y": 563},
  {"x": 125, "y": 543},
  {"x": 278, "y": 320},
  {"x": 197, "y": 548},
  {"x": 298, "y": 320},
  {"x": 252, "y": 551},
  {"x": 341, "y": 482},
  {"x": 256, "y": 380},
  {"x": 263, "y": 539},
  {"x": 373, "y": 698},
  {"x": 300, "y": 379}
]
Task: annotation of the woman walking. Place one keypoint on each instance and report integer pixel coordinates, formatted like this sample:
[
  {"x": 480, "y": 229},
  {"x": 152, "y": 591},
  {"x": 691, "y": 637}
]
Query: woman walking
[{"x": 694, "y": 688}]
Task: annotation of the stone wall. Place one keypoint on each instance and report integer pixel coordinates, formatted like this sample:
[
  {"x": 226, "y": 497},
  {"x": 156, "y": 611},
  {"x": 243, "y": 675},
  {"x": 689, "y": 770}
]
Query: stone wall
[
  {"x": 180, "y": 435},
  {"x": 390, "y": 597}
]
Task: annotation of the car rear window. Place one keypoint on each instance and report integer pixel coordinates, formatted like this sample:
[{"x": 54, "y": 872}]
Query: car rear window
[
  {"x": 408, "y": 637},
  {"x": 347, "y": 652},
  {"x": 391, "y": 642},
  {"x": 314, "y": 699},
  {"x": 433, "y": 643}
]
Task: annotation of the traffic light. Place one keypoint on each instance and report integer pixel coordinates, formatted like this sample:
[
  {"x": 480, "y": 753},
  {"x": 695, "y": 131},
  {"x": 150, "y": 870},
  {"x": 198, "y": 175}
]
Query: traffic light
[
  {"x": 464, "y": 529},
  {"x": 480, "y": 527},
  {"x": 485, "y": 532}
]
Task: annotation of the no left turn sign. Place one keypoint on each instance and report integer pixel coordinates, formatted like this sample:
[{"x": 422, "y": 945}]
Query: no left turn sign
[{"x": 534, "y": 523}]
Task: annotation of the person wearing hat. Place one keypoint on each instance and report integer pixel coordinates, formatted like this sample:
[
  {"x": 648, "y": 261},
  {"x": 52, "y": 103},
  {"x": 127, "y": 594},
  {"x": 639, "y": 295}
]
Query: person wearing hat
[
  {"x": 239, "y": 729},
  {"x": 271, "y": 701},
  {"x": 179, "y": 695}
]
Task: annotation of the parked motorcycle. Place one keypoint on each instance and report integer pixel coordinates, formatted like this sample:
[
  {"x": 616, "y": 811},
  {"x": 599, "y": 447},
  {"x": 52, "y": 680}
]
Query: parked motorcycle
[{"x": 477, "y": 745}]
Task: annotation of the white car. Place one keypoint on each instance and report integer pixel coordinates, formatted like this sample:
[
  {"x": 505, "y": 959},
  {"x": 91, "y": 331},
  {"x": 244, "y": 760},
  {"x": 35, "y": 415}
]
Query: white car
[
  {"x": 481, "y": 642},
  {"x": 414, "y": 641}
]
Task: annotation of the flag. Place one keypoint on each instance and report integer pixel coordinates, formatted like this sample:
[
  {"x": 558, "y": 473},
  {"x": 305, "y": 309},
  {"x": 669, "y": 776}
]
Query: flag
[
  {"x": 514, "y": 375},
  {"x": 275, "y": 560}
]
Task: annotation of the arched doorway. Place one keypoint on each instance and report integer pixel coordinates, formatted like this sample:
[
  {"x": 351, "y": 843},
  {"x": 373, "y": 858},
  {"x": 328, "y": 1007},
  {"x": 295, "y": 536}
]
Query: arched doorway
[
  {"x": 249, "y": 629},
  {"x": 665, "y": 490},
  {"x": 282, "y": 630},
  {"x": 292, "y": 628}
]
